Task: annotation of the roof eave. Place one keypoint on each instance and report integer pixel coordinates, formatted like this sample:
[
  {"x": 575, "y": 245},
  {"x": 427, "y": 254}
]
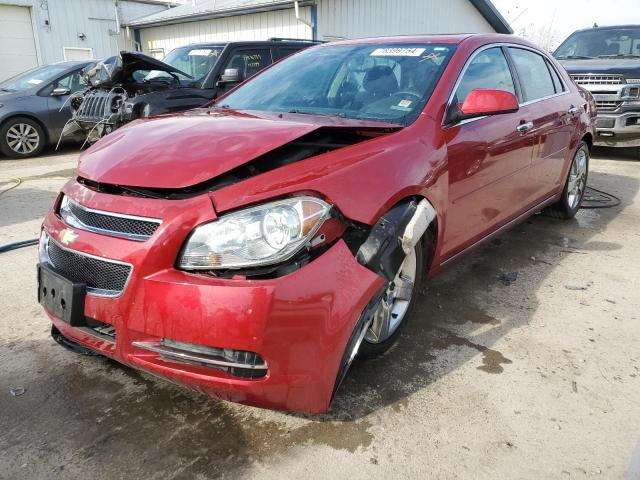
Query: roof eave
[
  {"x": 492, "y": 16},
  {"x": 191, "y": 17}
]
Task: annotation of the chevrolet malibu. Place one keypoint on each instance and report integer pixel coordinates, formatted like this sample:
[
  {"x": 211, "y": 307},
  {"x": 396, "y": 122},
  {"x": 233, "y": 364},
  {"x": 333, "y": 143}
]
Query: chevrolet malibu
[{"x": 252, "y": 249}]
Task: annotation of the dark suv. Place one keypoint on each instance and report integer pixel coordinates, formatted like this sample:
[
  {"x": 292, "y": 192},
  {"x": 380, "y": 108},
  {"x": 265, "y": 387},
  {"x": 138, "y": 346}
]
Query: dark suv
[{"x": 134, "y": 85}]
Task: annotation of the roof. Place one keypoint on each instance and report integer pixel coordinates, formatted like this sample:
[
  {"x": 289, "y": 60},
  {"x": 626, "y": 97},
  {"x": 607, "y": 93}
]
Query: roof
[
  {"x": 607, "y": 27},
  {"x": 207, "y": 9}
]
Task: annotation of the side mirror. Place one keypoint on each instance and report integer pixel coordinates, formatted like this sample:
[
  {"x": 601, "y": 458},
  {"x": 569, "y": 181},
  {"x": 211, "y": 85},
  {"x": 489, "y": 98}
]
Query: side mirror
[
  {"x": 60, "y": 91},
  {"x": 482, "y": 102},
  {"x": 231, "y": 75}
]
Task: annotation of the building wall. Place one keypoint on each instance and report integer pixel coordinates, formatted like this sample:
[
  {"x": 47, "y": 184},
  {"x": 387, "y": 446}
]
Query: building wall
[
  {"x": 365, "y": 18},
  {"x": 57, "y": 24},
  {"x": 254, "y": 26}
]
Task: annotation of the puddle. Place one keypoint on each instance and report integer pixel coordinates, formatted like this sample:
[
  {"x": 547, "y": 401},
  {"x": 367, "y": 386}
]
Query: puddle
[{"x": 492, "y": 360}]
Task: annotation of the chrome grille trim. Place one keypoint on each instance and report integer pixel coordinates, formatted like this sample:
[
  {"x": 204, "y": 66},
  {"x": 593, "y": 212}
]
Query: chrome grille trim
[
  {"x": 130, "y": 227},
  {"x": 94, "y": 287},
  {"x": 593, "y": 79},
  {"x": 607, "y": 105}
]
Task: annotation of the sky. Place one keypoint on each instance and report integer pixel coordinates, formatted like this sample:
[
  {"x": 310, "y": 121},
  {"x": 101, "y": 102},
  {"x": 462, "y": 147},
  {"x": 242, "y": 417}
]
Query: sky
[{"x": 548, "y": 22}]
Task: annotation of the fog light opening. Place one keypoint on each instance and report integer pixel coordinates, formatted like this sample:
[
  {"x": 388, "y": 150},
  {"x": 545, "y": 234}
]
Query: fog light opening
[{"x": 239, "y": 363}]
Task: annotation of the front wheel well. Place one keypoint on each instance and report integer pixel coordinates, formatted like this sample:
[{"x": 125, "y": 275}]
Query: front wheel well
[{"x": 588, "y": 139}]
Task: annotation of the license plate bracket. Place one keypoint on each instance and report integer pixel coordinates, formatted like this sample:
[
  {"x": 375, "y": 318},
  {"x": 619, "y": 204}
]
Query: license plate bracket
[{"x": 60, "y": 296}]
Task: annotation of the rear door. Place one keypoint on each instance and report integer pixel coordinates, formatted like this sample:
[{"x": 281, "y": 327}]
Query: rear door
[
  {"x": 489, "y": 158},
  {"x": 548, "y": 105}
]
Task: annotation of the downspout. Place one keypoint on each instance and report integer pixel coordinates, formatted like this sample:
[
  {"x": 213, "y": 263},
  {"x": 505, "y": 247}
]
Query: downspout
[{"x": 296, "y": 6}]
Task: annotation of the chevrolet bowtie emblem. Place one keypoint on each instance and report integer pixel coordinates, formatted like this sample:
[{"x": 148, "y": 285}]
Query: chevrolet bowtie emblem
[{"x": 67, "y": 236}]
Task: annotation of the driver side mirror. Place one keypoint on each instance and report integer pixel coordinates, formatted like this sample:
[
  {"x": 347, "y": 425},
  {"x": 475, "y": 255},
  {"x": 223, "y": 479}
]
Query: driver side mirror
[
  {"x": 60, "y": 91},
  {"x": 483, "y": 102},
  {"x": 231, "y": 75}
]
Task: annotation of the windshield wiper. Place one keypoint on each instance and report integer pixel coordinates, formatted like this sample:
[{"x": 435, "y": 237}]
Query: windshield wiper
[
  {"x": 620, "y": 55},
  {"x": 5, "y": 90},
  {"x": 322, "y": 114},
  {"x": 574, "y": 57}
]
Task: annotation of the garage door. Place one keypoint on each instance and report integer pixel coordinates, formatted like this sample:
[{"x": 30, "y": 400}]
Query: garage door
[{"x": 17, "y": 45}]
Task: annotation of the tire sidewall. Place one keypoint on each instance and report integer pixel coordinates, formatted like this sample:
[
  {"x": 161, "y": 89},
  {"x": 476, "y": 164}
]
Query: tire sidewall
[
  {"x": 369, "y": 350},
  {"x": 565, "y": 200},
  {"x": 8, "y": 151}
]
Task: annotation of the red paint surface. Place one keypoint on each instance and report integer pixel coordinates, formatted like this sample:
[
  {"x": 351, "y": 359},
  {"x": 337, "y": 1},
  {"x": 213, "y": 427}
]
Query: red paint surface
[{"x": 478, "y": 175}]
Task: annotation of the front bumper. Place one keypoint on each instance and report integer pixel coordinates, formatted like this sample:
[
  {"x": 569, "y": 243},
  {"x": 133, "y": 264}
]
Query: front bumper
[
  {"x": 299, "y": 323},
  {"x": 618, "y": 129}
]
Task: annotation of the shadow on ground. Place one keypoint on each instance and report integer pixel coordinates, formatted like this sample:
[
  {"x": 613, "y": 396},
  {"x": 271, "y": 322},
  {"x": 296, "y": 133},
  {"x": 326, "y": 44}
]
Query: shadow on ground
[{"x": 84, "y": 413}]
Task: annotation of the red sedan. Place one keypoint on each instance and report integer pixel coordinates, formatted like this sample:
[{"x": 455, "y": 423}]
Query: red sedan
[{"x": 253, "y": 248}]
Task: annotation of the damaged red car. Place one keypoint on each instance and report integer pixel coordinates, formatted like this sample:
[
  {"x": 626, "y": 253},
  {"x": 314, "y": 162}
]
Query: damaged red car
[{"x": 253, "y": 248}]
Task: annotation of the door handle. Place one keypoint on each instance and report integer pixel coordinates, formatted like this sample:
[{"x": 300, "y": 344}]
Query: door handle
[
  {"x": 573, "y": 110},
  {"x": 524, "y": 127}
]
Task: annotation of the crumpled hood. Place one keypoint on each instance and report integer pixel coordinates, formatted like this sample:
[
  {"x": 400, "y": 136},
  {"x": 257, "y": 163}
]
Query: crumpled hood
[
  {"x": 629, "y": 67},
  {"x": 178, "y": 151}
]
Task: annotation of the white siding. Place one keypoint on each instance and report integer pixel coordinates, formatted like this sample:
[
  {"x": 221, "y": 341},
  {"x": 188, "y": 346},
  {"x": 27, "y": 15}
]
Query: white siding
[
  {"x": 367, "y": 18},
  {"x": 254, "y": 26},
  {"x": 95, "y": 18}
]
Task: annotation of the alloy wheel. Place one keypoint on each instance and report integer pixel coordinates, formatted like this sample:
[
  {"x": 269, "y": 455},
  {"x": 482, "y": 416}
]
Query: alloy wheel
[
  {"x": 395, "y": 302},
  {"x": 577, "y": 179},
  {"x": 23, "y": 138}
]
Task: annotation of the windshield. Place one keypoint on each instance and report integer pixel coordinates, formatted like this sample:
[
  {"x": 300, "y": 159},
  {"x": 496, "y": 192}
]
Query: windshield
[
  {"x": 596, "y": 43},
  {"x": 383, "y": 82},
  {"x": 32, "y": 78},
  {"x": 195, "y": 61}
]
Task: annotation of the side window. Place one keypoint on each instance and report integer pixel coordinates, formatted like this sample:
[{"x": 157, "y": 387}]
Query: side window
[
  {"x": 250, "y": 61},
  {"x": 558, "y": 84},
  {"x": 74, "y": 82},
  {"x": 488, "y": 70},
  {"x": 533, "y": 73}
]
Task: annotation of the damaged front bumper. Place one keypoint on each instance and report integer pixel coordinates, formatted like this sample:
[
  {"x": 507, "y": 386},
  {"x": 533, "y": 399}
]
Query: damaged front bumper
[{"x": 275, "y": 343}]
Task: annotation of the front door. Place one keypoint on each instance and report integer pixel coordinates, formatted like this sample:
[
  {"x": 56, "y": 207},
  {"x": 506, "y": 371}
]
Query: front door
[{"x": 488, "y": 157}]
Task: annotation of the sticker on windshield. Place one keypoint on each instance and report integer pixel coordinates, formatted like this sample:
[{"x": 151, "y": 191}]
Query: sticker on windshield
[
  {"x": 403, "y": 106},
  {"x": 34, "y": 81},
  {"x": 397, "y": 52},
  {"x": 202, "y": 52}
]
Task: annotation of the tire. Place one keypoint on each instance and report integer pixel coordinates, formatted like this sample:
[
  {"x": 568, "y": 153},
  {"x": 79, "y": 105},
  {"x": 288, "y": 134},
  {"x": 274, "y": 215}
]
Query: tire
[
  {"x": 371, "y": 347},
  {"x": 21, "y": 137},
  {"x": 574, "y": 187},
  {"x": 357, "y": 345}
]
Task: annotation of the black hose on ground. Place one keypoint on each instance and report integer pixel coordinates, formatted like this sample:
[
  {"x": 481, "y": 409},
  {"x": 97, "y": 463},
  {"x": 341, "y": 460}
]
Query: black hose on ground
[
  {"x": 594, "y": 198},
  {"x": 15, "y": 245}
]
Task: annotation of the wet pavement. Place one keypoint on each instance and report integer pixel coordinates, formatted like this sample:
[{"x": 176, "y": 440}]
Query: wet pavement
[{"x": 537, "y": 378}]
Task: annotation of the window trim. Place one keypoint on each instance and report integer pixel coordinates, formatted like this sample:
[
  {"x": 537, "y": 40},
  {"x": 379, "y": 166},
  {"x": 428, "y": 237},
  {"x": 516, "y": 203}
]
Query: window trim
[
  {"x": 514, "y": 74},
  {"x": 546, "y": 61}
]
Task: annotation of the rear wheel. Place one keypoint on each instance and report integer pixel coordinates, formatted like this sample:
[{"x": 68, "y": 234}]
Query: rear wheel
[
  {"x": 574, "y": 187},
  {"x": 21, "y": 137}
]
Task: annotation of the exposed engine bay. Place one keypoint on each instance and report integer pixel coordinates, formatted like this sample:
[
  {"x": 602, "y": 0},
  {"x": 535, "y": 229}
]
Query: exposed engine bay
[{"x": 126, "y": 87}]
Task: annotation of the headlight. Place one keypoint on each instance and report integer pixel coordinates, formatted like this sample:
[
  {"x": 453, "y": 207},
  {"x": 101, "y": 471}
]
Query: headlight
[
  {"x": 263, "y": 235},
  {"x": 631, "y": 92}
]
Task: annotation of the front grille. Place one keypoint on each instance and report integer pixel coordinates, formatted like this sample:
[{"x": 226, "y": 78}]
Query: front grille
[
  {"x": 607, "y": 105},
  {"x": 590, "y": 79},
  {"x": 102, "y": 276},
  {"x": 94, "y": 106},
  {"x": 119, "y": 225}
]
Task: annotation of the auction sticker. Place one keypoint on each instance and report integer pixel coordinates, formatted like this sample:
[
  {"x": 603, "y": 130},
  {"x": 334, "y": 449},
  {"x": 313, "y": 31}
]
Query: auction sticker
[{"x": 397, "y": 52}]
